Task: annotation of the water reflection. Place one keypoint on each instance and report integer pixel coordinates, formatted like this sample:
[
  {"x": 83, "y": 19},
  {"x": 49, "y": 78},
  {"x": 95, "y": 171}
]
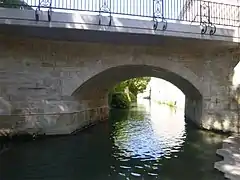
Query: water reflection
[
  {"x": 158, "y": 133},
  {"x": 151, "y": 141}
]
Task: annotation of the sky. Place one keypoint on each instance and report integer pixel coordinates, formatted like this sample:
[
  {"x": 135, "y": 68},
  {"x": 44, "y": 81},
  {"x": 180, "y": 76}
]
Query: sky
[{"x": 165, "y": 91}]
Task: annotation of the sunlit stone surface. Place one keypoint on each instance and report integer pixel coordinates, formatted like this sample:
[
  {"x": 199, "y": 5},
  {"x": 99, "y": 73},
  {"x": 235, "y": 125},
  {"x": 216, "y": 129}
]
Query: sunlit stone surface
[{"x": 230, "y": 151}]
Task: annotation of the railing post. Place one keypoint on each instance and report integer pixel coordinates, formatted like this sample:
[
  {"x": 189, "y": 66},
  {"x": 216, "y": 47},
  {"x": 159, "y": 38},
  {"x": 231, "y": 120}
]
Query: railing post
[
  {"x": 50, "y": 11},
  {"x": 105, "y": 8},
  {"x": 209, "y": 13},
  {"x": 158, "y": 13},
  {"x": 37, "y": 11},
  {"x": 205, "y": 18},
  {"x": 44, "y": 3},
  {"x": 200, "y": 10}
]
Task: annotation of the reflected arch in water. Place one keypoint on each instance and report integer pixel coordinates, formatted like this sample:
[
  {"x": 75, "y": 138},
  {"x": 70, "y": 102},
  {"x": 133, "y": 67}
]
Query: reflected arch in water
[{"x": 98, "y": 85}]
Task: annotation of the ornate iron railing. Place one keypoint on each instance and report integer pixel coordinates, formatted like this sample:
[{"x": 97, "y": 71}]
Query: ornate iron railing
[{"x": 207, "y": 13}]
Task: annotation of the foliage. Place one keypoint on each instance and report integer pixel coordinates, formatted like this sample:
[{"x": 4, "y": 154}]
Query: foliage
[
  {"x": 168, "y": 103},
  {"x": 132, "y": 97},
  {"x": 14, "y": 4},
  {"x": 138, "y": 85},
  {"x": 120, "y": 100},
  {"x": 135, "y": 85},
  {"x": 126, "y": 92}
]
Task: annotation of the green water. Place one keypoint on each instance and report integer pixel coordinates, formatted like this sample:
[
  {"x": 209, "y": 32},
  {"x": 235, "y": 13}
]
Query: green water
[{"x": 150, "y": 141}]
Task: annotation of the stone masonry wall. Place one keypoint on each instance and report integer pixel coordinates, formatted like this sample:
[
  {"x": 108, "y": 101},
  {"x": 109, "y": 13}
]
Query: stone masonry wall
[{"x": 39, "y": 76}]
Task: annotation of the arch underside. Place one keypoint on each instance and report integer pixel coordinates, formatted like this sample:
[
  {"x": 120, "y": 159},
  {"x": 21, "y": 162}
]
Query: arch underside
[{"x": 99, "y": 85}]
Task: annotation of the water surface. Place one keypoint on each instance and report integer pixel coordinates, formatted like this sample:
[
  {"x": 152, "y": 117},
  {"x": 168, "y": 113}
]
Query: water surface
[{"x": 150, "y": 141}]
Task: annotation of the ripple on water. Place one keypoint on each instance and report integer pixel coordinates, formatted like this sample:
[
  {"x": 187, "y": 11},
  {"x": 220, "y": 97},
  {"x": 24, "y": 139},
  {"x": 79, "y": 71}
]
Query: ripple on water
[
  {"x": 125, "y": 167},
  {"x": 140, "y": 148},
  {"x": 135, "y": 174},
  {"x": 152, "y": 174},
  {"x": 124, "y": 160},
  {"x": 121, "y": 174},
  {"x": 142, "y": 145},
  {"x": 174, "y": 150},
  {"x": 139, "y": 167},
  {"x": 154, "y": 167}
]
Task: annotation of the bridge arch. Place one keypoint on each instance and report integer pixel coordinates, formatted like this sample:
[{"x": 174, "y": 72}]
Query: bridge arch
[
  {"x": 106, "y": 74},
  {"x": 98, "y": 85},
  {"x": 62, "y": 74},
  {"x": 149, "y": 63}
]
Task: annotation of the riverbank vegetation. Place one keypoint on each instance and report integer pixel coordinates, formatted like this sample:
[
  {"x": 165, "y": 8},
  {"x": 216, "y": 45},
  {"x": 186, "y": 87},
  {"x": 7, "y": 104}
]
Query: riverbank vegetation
[
  {"x": 168, "y": 103},
  {"x": 125, "y": 93}
]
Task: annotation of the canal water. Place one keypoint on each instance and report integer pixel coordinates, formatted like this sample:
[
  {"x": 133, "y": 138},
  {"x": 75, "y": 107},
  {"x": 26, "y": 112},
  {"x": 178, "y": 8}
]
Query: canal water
[{"x": 150, "y": 141}]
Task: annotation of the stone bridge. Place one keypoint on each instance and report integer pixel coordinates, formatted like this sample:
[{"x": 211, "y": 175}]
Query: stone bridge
[{"x": 55, "y": 76}]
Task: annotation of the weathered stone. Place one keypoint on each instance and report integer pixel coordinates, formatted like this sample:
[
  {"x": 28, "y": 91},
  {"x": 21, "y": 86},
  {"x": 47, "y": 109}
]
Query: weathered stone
[
  {"x": 230, "y": 151},
  {"x": 69, "y": 77}
]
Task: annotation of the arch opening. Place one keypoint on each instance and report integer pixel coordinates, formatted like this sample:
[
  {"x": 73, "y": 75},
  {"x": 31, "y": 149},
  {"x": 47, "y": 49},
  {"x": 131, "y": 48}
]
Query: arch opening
[
  {"x": 97, "y": 87},
  {"x": 163, "y": 92}
]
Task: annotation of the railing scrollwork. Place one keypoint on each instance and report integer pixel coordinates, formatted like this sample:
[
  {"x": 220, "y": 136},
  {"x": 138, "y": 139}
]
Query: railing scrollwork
[
  {"x": 206, "y": 14},
  {"x": 105, "y": 8},
  {"x": 44, "y": 4},
  {"x": 205, "y": 19},
  {"x": 158, "y": 15},
  {"x": 21, "y": 7}
]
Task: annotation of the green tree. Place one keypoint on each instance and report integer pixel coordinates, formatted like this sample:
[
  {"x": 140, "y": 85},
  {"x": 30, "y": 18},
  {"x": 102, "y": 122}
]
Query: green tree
[
  {"x": 120, "y": 100},
  {"x": 14, "y": 4},
  {"x": 126, "y": 92},
  {"x": 138, "y": 85},
  {"x": 135, "y": 85}
]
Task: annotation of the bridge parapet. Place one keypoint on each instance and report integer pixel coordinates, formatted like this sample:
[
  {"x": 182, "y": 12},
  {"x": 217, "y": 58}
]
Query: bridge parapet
[
  {"x": 182, "y": 18},
  {"x": 221, "y": 12}
]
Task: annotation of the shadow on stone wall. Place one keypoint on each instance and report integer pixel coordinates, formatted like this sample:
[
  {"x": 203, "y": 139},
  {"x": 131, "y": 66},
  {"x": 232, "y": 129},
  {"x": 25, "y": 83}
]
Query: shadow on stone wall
[{"x": 50, "y": 118}]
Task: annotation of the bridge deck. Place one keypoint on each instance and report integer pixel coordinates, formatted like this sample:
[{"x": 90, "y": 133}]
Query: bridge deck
[{"x": 76, "y": 26}]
